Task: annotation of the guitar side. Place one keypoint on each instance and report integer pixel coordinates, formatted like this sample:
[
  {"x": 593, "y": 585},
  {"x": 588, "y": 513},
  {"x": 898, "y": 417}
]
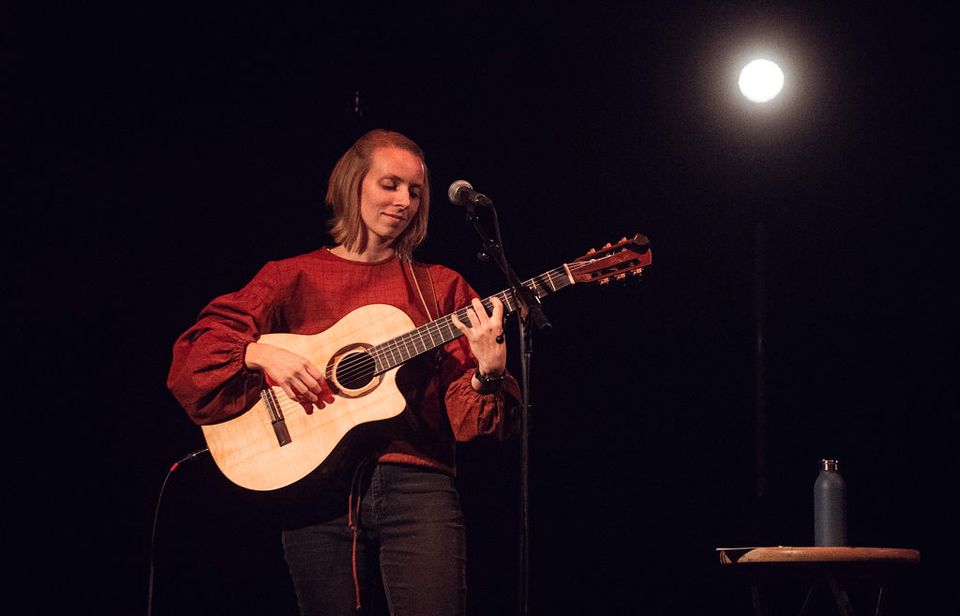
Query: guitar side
[{"x": 246, "y": 448}]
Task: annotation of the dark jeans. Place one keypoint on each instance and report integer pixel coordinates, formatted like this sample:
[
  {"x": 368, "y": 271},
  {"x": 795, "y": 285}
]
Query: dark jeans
[{"x": 411, "y": 549}]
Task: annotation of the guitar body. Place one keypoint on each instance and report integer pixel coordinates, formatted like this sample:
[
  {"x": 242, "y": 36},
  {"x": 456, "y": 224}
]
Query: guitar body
[{"x": 246, "y": 448}]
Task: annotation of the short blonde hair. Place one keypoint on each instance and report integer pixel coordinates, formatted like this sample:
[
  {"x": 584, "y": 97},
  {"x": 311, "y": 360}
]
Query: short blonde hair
[{"x": 346, "y": 185}]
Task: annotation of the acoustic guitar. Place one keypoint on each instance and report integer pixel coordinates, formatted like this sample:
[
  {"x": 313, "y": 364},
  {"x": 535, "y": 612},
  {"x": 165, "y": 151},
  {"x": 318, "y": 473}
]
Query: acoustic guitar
[{"x": 277, "y": 442}]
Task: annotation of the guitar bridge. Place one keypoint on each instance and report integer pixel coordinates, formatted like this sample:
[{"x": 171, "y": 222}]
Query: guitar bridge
[{"x": 276, "y": 416}]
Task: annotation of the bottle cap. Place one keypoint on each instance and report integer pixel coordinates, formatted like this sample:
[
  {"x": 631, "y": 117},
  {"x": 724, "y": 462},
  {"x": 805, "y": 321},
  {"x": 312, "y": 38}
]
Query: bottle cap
[{"x": 828, "y": 465}]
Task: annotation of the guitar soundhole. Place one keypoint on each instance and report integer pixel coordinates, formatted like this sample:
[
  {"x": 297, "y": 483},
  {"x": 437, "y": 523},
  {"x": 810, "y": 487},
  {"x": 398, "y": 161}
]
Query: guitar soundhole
[{"x": 355, "y": 370}]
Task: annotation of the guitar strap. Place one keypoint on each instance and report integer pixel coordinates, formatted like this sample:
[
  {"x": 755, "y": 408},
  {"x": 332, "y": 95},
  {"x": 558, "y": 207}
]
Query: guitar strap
[{"x": 422, "y": 280}]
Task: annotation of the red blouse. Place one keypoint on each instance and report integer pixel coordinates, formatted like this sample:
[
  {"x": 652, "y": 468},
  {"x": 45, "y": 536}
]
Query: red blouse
[{"x": 308, "y": 294}]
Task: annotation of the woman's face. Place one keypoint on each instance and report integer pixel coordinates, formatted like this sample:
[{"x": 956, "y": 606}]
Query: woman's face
[{"x": 390, "y": 194}]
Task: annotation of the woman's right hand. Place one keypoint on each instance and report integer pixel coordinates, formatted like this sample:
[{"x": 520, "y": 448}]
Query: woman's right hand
[{"x": 295, "y": 374}]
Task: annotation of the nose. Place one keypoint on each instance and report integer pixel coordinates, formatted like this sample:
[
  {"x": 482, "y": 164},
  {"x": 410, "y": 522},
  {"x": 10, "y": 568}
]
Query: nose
[{"x": 402, "y": 198}]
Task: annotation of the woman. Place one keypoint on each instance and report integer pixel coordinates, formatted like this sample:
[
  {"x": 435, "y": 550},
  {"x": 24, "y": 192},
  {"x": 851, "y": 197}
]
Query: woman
[{"x": 396, "y": 521}]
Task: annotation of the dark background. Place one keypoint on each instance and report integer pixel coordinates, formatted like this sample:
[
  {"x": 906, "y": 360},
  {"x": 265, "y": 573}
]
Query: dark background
[{"x": 158, "y": 154}]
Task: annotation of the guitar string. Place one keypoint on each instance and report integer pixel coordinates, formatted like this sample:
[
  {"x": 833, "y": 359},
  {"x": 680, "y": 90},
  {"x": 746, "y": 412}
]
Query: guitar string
[
  {"x": 443, "y": 326},
  {"x": 356, "y": 364},
  {"x": 401, "y": 346}
]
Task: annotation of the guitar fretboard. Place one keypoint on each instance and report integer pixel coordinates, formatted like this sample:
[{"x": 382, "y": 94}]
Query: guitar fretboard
[{"x": 392, "y": 353}]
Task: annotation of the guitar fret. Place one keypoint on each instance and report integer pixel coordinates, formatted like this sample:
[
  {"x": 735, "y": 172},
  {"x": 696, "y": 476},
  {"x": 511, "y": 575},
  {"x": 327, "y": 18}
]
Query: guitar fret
[
  {"x": 428, "y": 343},
  {"x": 395, "y": 357},
  {"x": 402, "y": 346},
  {"x": 441, "y": 329},
  {"x": 536, "y": 286},
  {"x": 507, "y": 301},
  {"x": 410, "y": 346},
  {"x": 379, "y": 361},
  {"x": 420, "y": 345},
  {"x": 435, "y": 329},
  {"x": 448, "y": 331}
]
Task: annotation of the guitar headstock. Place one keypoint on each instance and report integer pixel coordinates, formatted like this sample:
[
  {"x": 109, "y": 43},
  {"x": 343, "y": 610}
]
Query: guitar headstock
[{"x": 613, "y": 261}]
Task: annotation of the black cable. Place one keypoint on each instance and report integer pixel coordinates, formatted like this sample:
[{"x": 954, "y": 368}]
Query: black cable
[{"x": 156, "y": 517}]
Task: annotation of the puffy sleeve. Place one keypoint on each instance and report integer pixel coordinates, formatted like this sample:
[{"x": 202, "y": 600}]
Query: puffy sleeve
[
  {"x": 208, "y": 376},
  {"x": 473, "y": 414}
]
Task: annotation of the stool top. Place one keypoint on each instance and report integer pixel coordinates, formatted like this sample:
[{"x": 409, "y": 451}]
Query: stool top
[{"x": 814, "y": 555}]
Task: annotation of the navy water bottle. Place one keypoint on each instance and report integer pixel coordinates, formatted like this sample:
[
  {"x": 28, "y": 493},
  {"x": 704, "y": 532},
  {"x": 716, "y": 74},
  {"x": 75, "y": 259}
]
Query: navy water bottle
[{"x": 829, "y": 506}]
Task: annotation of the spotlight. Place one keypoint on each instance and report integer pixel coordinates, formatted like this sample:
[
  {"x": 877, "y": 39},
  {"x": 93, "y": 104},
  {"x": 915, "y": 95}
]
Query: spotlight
[{"x": 761, "y": 81}]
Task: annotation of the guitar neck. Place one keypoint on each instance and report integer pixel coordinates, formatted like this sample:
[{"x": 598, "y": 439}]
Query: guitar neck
[{"x": 395, "y": 352}]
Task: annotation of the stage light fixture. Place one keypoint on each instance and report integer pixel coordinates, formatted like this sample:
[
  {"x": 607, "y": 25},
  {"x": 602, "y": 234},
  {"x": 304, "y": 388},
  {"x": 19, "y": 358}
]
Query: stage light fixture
[{"x": 761, "y": 80}]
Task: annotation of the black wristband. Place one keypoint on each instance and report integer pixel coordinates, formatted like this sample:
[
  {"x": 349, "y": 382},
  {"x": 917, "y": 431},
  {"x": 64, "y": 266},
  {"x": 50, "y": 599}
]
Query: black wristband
[{"x": 489, "y": 383}]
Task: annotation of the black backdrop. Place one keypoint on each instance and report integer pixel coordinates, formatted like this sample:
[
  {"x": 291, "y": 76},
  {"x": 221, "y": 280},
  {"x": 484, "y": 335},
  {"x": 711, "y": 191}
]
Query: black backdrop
[{"x": 158, "y": 154}]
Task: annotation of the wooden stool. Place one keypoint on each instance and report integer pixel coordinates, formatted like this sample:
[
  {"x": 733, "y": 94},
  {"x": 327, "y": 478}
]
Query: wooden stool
[{"x": 831, "y": 567}]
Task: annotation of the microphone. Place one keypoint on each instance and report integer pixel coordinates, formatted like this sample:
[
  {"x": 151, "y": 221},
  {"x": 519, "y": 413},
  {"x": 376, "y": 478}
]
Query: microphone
[{"x": 462, "y": 193}]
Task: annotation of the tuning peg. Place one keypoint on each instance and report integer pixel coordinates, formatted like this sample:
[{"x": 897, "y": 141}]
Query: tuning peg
[
  {"x": 638, "y": 272},
  {"x": 591, "y": 251},
  {"x": 623, "y": 239},
  {"x": 620, "y": 276},
  {"x": 604, "y": 281},
  {"x": 607, "y": 245}
]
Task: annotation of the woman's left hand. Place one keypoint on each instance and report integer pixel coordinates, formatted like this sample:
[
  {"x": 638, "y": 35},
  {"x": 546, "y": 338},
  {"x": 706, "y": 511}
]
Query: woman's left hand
[{"x": 485, "y": 336}]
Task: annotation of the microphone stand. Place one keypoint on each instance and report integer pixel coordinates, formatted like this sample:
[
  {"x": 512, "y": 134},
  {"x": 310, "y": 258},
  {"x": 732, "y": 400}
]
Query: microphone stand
[{"x": 530, "y": 313}]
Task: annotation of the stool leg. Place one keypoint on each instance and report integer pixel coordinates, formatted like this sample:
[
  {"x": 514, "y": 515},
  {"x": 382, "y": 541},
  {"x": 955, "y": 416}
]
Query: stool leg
[
  {"x": 759, "y": 608},
  {"x": 879, "y": 610},
  {"x": 840, "y": 596},
  {"x": 806, "y": 600}
]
